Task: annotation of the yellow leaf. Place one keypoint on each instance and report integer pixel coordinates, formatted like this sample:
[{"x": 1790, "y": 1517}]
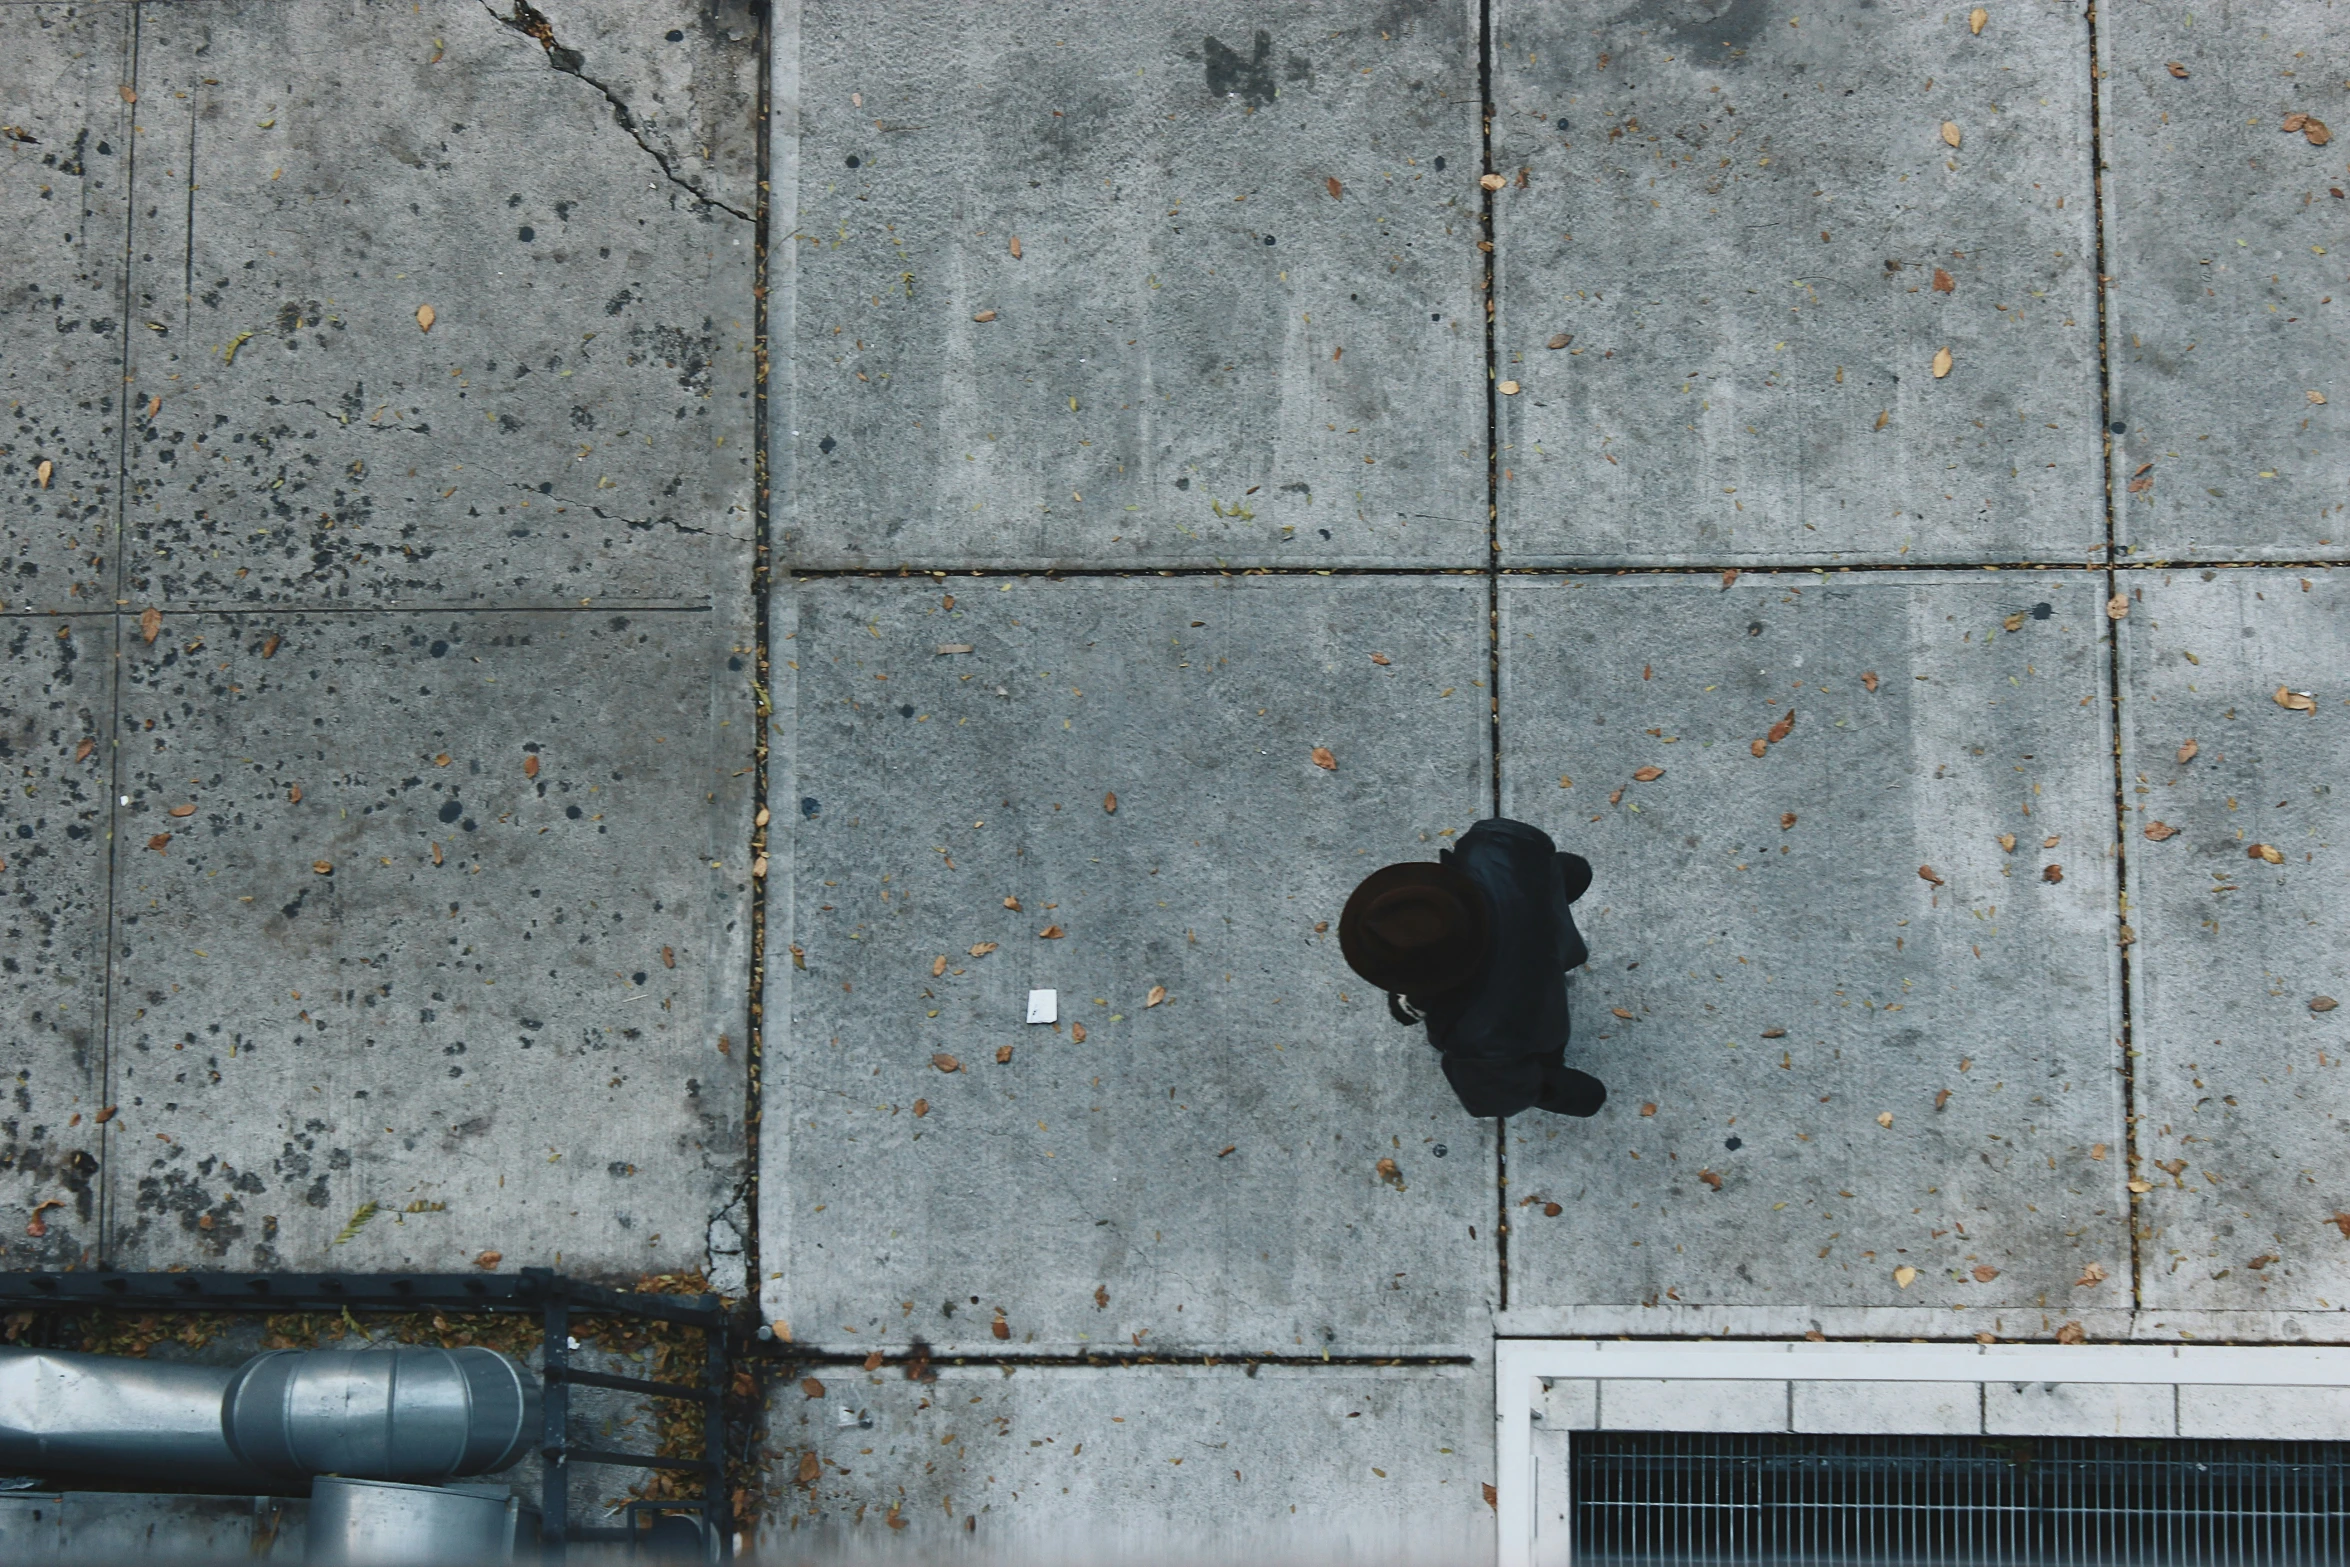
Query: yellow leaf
[
  {"x": 1884, "y": 1118},
  {"x": 1950, "y": 132},
  {"x": 425, "y": 317},
  {"x": 42, "y": 472},
  {"x": 1904, "y": 1276},
  {"x": 983, "y": 949},
  {"x": 1015, "y": 247},
  {"x": 1157, "y": 995},
  {"x": 1975, "y": 20},
  {"x": 1508, "y": 388},
  {"x": 984, "y": 315},
  {"x": 1942, "y": 363}
]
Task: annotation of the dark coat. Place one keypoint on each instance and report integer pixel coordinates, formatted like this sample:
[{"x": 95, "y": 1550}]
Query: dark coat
[{"x": 1503, "y": 1035}]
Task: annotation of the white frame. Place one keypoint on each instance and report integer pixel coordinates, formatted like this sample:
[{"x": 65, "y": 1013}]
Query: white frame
[{"x": 1520, "y": 1364}]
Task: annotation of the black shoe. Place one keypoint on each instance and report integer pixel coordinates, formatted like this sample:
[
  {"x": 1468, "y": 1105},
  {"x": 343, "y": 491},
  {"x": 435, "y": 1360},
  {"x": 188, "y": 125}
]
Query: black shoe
[{"x": 1566, "y": 1091}]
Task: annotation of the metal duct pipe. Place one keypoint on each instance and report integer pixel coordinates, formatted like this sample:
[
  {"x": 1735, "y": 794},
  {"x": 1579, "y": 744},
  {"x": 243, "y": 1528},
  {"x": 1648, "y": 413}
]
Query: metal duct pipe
[{"x": 399, "y": 1413}]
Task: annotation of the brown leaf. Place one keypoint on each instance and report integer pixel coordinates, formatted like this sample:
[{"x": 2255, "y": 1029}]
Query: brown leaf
[
  {"x": 1783, "y": 728},
  {"x": 2341, "y": 1221},
  {"x": 982, "y": 949},
  {"x": 1759, "y": 748},
  {"x": 1337, "y": 191},
  {"x": 2290, "y": 700},
  {"x": 1774, "y": 1033},
  {"x": 1551, "y": 1210},
  {"x": 1648, "y": 1110},
  {"x": 1648, "y": 775},
  {"x": 2159, "y": 831},
  {"x": 1015, "y": 247},
  {"x": 2315, "y": 129},
  {"x": 2171, "y": 1167},
  {"x": 2142, "y": 484},
  {"x": 150, "y": 624},
  {"x": 2322, "y": 1003},
  {"x": 2265, "y": 851},
  {"x": 2092, "y": 1273},
  {"x": 1110, "y": 803},
  {"x": 1000, "y": 1328},
  {"x": 2176, "y": 69},
  {"x": 1620, "y": 1012},
  {"x": 1617, "y": 798},
  {"x": 1101, "y": 1297},
  {"x": 2052, "y": 874},
  {"x": 811, "y": 1467},
  {"x": 1560, "y": 340},
  {"x": 1051, "y": 933},
  {"x": 1003, "y": 1053},
  {"x": 1158, "y": 993},
  {"x": 811, "y": 1388},
  {"x": 1786, "y": 820},
  {"x": 269, "y": 646},
  {"x": 1950, "y": 133},
  {"x": 530, "y": 767},
  {"x": 1926, "y": 873},
  {"x": 1710, "y": 1179},
  {"x": 188, "y": 809},
  {"x": 159, "y": 842},
  {"x": 2097, "y": 1151},
  {"x": 946, "y": 1063},
  {"x": 921, "y": 1108},
  {"x": 1381, "y": 659},
  {"x": 1492, "y": 1497},
  {"x": 81, "y": 752},
  {"x": 323, "y": 867},
  {"x": 294, "y": 794},
  {"x": 1985, "y": 1273},
  {"x": 2007, "y": 842},
  {"x": 37, "y": 1226},
  {"x": 128, "y": 95},
  {"x": 1077, "y": 1032},
  {"x": 938, "y": 966},
  {"x": 488, "y": 1260},
  {"x": 1942, "y": 362},
  {"x": 1944, "y": 283},
  {"x": 1868, "y": 677},
  {"x": 1729, "y": 578},
  {"x": 2014, "y": 622},
  {"x": 2315, "y": 396},
  {"x": 424, "y": 318},
  {"x": 1941, "y": 1098},
  {"x": 1013, "y": 904},
  {"x": 2187, "y": 751},
  {"x": 796, "y": 963},
  {"x": 1390, "y": 1174},
  {"x": 1324, "y": 760},
  {"x": 105, "y": 1115},
  {"x": 2072, "y": 1333},
  {"x": 154, "y": 406}
]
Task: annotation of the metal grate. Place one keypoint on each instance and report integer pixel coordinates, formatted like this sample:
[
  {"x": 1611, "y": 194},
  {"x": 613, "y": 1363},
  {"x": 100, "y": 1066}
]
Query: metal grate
[{"x": 1674, "y": 1497}]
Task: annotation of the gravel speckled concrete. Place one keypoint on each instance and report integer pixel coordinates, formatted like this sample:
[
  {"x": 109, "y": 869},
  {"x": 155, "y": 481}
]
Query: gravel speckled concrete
[{"x": 2239, "y": 956}]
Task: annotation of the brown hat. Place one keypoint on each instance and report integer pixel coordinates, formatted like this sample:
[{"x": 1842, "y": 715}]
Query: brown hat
[{"x": 1419, "y": 928}]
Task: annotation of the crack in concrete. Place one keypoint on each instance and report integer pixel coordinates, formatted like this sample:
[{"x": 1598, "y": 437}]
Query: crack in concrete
[
  {"x": 633, "y": 522},
  {"x": 532, "y": 23}
]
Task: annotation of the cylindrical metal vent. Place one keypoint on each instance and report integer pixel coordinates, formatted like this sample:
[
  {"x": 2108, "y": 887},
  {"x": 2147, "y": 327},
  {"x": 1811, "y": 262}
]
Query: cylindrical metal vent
[
  {"x": 408, "y": 1413},
  {"x": 370, "y": 1523}
]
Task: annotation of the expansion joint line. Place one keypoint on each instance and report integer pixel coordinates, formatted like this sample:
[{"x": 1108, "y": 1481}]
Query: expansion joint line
[
  {"x": 762, "y": 584},
  {"x": 1485, "y": 256},
  {"x": 2125, "y": 1045}
]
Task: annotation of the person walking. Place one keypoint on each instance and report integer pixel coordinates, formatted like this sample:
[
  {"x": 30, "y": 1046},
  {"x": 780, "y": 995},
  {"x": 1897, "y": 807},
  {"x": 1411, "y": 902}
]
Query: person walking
[{"x": 1477, "y": 946}]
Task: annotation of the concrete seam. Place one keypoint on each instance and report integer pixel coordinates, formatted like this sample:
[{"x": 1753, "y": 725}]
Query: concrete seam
[
  {"x": 1486, "y": 253},
  {"x": 2125, "y": 1032}
]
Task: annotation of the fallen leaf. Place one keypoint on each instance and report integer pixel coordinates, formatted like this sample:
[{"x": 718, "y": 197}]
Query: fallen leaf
[
  {"x": 2315, "y": 130},
  {"x": 2187, "y": 752},
  {"x": 1884, "y": 418},
  {"x": 1975, "y": 20},
  {"x": 1774, "y": 1033},
  {"x": 2140, "y": 1187},
  {"x": 1926, "y": 873},
  {"x": 1560, "y": 340},
  {"x": 424, "y": 318},
  {"x": 2322, "y": 1003},
  {"x": 1884, "y": 1118},
  {"x": 37, "y": 1226},
  {"x": 921, "y": 1108},
  {"x": 358, "y": 1221},
  {"x": 1648, "y": 1109},
  {"x": 1617, "y": 798},
  {"x": 81, "y": 752},
  {"x": 2141, "y": 485},
  {"x": 128, "y": 96},
  {"x": 1015, "y": 247},
  {"x": 294, "y": 794},
  {"x": 938, "y": 966},
  {"x": 159, "y": 842},
  {"x": 1868, "y": 677},
  {"x": 986, "y": 947},
  {"x": 1985, "y": 1273},
  {"x": 1051, "y": 933},
  {"x": 796, "y": 963},
  {"x": 2290, "y": 700},
  {"x": 2117, "y": 607},
  {"x": 188, "y": 809},
  {"x": 2171, "y": 1167},
  {"x": 1337, "y": 191},
  {"x": 1941, "y": 1098},
  {"x": 441, "y": 760},
  {"x": 1324, "y": 760},
  {"x": 1492, "y": 1497},
  {"x": 1110, "y": 803},
  {"x": 1904, "y": 1276},
  {"x": 1728, "y": 578},
  {"x": 1944, "y": 283},
  {"x": 43, "y": 471},
  {"x": 323, "y": 867},
  {"x": 2262, "y": 1261},
  {"x": 1648, "y": 775},
  {"x": 2052, "y": 874},
  {"x": 1620, "y": 1012},
  {"x": 2072, "y": 1333},
  {"x": 1390, "y": 1174},
  {"x": 811, "y": 1388},
  {"x": 812, "y": 1468},
  {"x": 1158, "y": 994},
  {"x": 1950, "y": 133},
  {"x": 2014, "y": 622},
  {"x": 1101, "y": 1297},
  {"x": 2265, "y": 851},
  {"x": 1782, "y": 729},
  {"x": 2341, "y": 1221},
  {"x": 1942, "y": 362},
  {"x": 2093, "y": 1273},
  {"x": 1003, "y": 1053},
  {"x": 1227, "y": 1148},
  {"x": 1786, "y": 820},
  {"x": 1710, "y": 1179},
  {"x": 1381, "y": 659},
  {"x": 946, "y": 1063},
  {"x": 489, "y": 1259},
  {"x": 2159, "y": 831},
  {"x": 1013, "y": 904},
  {"x": 2176, "y": 69},
  {"x": 1508, "y": 388},
  {"x": 1492, "y": 181},
  {"x": 2315, "y": 396},
  {"x": 2007, "y": 842},
  {"x": 984, "y": 315},
  {"x": 150, "y": 623}
]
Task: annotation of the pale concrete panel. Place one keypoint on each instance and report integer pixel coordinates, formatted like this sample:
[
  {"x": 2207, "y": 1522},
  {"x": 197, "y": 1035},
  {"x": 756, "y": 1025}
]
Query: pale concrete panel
[
  {"x": 1692, "y": 1405},
  {"x": 1889, "y": 1408},
  {"x": 2079, "y": 1409}
]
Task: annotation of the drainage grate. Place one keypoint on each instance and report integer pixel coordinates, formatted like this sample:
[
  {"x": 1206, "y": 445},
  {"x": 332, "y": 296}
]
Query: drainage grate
[{"x": 1674, "y": 1497}]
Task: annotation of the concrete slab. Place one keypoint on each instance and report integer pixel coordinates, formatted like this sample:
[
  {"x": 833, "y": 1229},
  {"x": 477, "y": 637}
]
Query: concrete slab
[
  {"x": 1195, "y": 1463},
  {"x": 1195, "y": 1173},
  {"x": 1742, "y": 227},
  {"x": 1692, "y": 1405},
  {"x": 2079, "y": 1409},
  {"x": 1874, "y": 1038},
  {"x": 64, "y": 182},
  {"x": 1887, "y": 1408},
  {"x": 575, "y": 424},
  {"x": 484, "y": 974},
  {"x": 56, "y": 713},
  {"x": 1198, "y": 288},
  {"x": 2240, "y": 1058},
  {"x": 2225, "y": 240}
]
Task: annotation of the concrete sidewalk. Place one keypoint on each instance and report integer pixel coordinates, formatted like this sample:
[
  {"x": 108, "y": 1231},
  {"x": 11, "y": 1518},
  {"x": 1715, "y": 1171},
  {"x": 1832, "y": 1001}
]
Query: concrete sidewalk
[{"x": 1870, "y": 481}]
